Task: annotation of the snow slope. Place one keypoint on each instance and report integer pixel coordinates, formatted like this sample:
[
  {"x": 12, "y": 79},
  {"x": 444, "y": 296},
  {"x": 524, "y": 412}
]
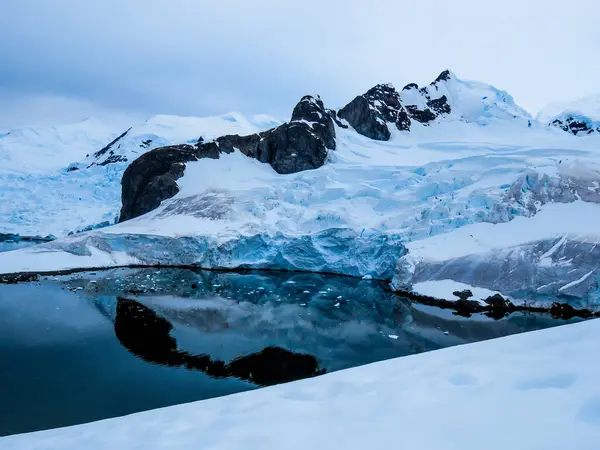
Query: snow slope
[
  {"x": 587, "y": 106},
  {"x": 357, "y": 213},
  {"x": 31, "y": 151},
  {"x": 39, "y": 196},
  {"x": 469, "y": 101},
  {"x": 477, "y": 196},
  {"x": 533, "y": 391}
]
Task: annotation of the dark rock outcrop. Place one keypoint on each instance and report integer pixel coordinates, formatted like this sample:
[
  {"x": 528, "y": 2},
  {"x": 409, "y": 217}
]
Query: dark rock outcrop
[
  {"x": 410, "y": 86},
  {"x": 311, "y": 110},
  {"x": 444, "y": 76},
  {"x": 403, "y": 121},
  {"x": 420, "y": 115},
  {"x": 298, "y": 145},
  {"x": 109, "y": 148},
  {"x": 575, "y": 126},
  {"x": 439, "y": 105},
  {"x": 463, "y": 295},
  {"x": 152, "y": 178},
  {"x": 369, "y": 113}
]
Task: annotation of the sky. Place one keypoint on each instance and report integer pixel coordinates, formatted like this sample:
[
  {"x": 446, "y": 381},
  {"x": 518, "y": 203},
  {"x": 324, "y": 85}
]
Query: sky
[{"x": 122, "y": 61}]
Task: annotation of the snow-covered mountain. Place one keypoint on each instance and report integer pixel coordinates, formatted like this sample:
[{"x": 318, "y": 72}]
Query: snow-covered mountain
[
  {"x": 452, "y": 181},
  {"x": 33, "y": 150},
  {"x": 580, "y": 117},
  {"x": 58, "y": 180}
]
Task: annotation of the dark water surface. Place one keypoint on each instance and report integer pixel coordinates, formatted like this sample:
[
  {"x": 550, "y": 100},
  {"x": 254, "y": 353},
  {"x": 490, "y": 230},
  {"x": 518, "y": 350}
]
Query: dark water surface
[{"x": 90, "y": 346}]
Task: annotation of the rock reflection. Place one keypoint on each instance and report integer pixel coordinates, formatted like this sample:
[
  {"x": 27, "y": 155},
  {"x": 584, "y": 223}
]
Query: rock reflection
[{"x": 147, "y": 335}]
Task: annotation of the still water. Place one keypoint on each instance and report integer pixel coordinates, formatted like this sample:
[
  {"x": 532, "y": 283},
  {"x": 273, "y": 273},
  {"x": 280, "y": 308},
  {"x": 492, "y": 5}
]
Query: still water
[{"x": 89, "y": 346}]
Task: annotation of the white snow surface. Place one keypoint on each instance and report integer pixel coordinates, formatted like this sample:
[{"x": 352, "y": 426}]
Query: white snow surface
[
  {"x": 532, "y": 391},
  {"x": 39, "y": 197},
  {"x": 578, "y": 219},
  {"x": 469, "y": 101},
  {"x": 588, "y": 106},
  {"x": 478, "y": 184},
  {"x": 444, "y": 191},
  {"x": 443, "y": 289}
]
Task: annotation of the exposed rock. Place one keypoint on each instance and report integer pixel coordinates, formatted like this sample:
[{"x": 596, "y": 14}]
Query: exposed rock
[
  {"x": 369, "y": 113},
  {"x": 410, "y": 86},
  {"x": 562, "y": 311},
  {"x": 403, "y": 122},
  {"x": 298, "y": 145},
  {"x": 497, "y": 302},
  {"x": 312, "y": 111},
  {"x": 463, "y": 295},
  {"x": 444, "y": 76},
  {"x": 420, "y": 115},
  {"x": 108, "y": 149},
  {"x": 574, "y": 125},
  {"x": 292, "y": 147},
  {"x": 152, "y": 177},
  {"x": 440, "y": 105},
  {"x": 112, "y": 159},
  {"x": 466, "y": 308},
  {"x": 14, "y": 278}
]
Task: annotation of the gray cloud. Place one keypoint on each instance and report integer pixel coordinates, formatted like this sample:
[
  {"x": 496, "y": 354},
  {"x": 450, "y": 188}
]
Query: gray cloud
[{"x": 192, "y": 57}]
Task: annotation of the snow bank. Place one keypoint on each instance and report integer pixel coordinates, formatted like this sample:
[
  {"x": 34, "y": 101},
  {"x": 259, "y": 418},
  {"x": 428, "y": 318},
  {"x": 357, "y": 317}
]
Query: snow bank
[
  {"x": 530, "y": 391},
  {"x": 444, "y": 289}
]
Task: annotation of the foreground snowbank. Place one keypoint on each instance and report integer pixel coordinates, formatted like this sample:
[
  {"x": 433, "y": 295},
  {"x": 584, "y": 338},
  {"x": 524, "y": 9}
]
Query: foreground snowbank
[{"x": 534, "y": 391}]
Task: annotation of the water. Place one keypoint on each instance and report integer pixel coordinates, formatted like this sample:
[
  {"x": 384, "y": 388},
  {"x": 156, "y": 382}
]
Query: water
[
  {"x": 7, "y": 246},
  {"x": 95, "y": 345}
]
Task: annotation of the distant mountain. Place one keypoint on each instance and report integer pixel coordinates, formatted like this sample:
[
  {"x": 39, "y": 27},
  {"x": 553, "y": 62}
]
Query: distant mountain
[
  {"x": 449, "y": 181},
  {"x": 580, "y": 117}
]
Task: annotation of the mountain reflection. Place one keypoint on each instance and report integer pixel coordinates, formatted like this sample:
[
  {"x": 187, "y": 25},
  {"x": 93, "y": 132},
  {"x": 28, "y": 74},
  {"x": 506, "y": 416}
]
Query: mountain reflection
[{"x": 147, "y": 335}]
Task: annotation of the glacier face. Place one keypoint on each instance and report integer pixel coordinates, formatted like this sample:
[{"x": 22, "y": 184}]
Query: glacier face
[{"x": 404, "y": 208}]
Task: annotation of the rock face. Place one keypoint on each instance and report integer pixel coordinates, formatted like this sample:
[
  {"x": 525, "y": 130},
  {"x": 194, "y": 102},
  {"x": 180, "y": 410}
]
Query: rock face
[
  {"x": 371, "y": 113},
  {"x": 298, "y": 145},
  {"x": 109, "y": 152},
  {"x": 576, "y": 125},
  {"x": 152, "y": 178}
]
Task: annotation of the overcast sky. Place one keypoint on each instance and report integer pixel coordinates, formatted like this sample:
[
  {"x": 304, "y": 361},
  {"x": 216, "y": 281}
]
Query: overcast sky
[{"x": 64, "y": 60}]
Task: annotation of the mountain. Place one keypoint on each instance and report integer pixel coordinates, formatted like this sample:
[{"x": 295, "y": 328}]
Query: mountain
[
  {"x": 57, "y": 180},
  {"x": 580, "y": 117},
  {"x": 41, "y": 149},
  {"x": 451, "y": 184}
]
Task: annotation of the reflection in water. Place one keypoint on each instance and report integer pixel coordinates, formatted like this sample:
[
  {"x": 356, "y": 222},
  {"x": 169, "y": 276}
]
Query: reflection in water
[
  {"x": 95, "y": 345},
  {"x": 147, "y": 335}
]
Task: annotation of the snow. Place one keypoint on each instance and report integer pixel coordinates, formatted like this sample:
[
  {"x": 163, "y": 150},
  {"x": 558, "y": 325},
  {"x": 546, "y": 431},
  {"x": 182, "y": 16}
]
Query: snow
[
  {"x": 443, "y": 289},
  {"x": 39, "y": 197},
  {"x": 588, "y": 106},
  {"x": 469, "y": 101},
  {"x": 28, "y": 150},
  {"x": 553, "y": 220},
  {"x": 450, "y": 190},
  {"x": 474, "y": 197},
  {"x": 532, "y": 391}
]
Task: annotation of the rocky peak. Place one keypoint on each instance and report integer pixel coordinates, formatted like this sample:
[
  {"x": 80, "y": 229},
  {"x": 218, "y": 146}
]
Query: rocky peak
[
  {"x": 575, "y": 124},
  {"x": 298, "y": 145},
  {"x": 311, "y": 111},
  {"x": 369, "y": 113},
  {"x": 444, "y": 76}
]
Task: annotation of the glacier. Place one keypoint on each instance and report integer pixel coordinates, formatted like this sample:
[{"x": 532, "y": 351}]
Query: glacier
[{"x": 480, "y": 195}]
